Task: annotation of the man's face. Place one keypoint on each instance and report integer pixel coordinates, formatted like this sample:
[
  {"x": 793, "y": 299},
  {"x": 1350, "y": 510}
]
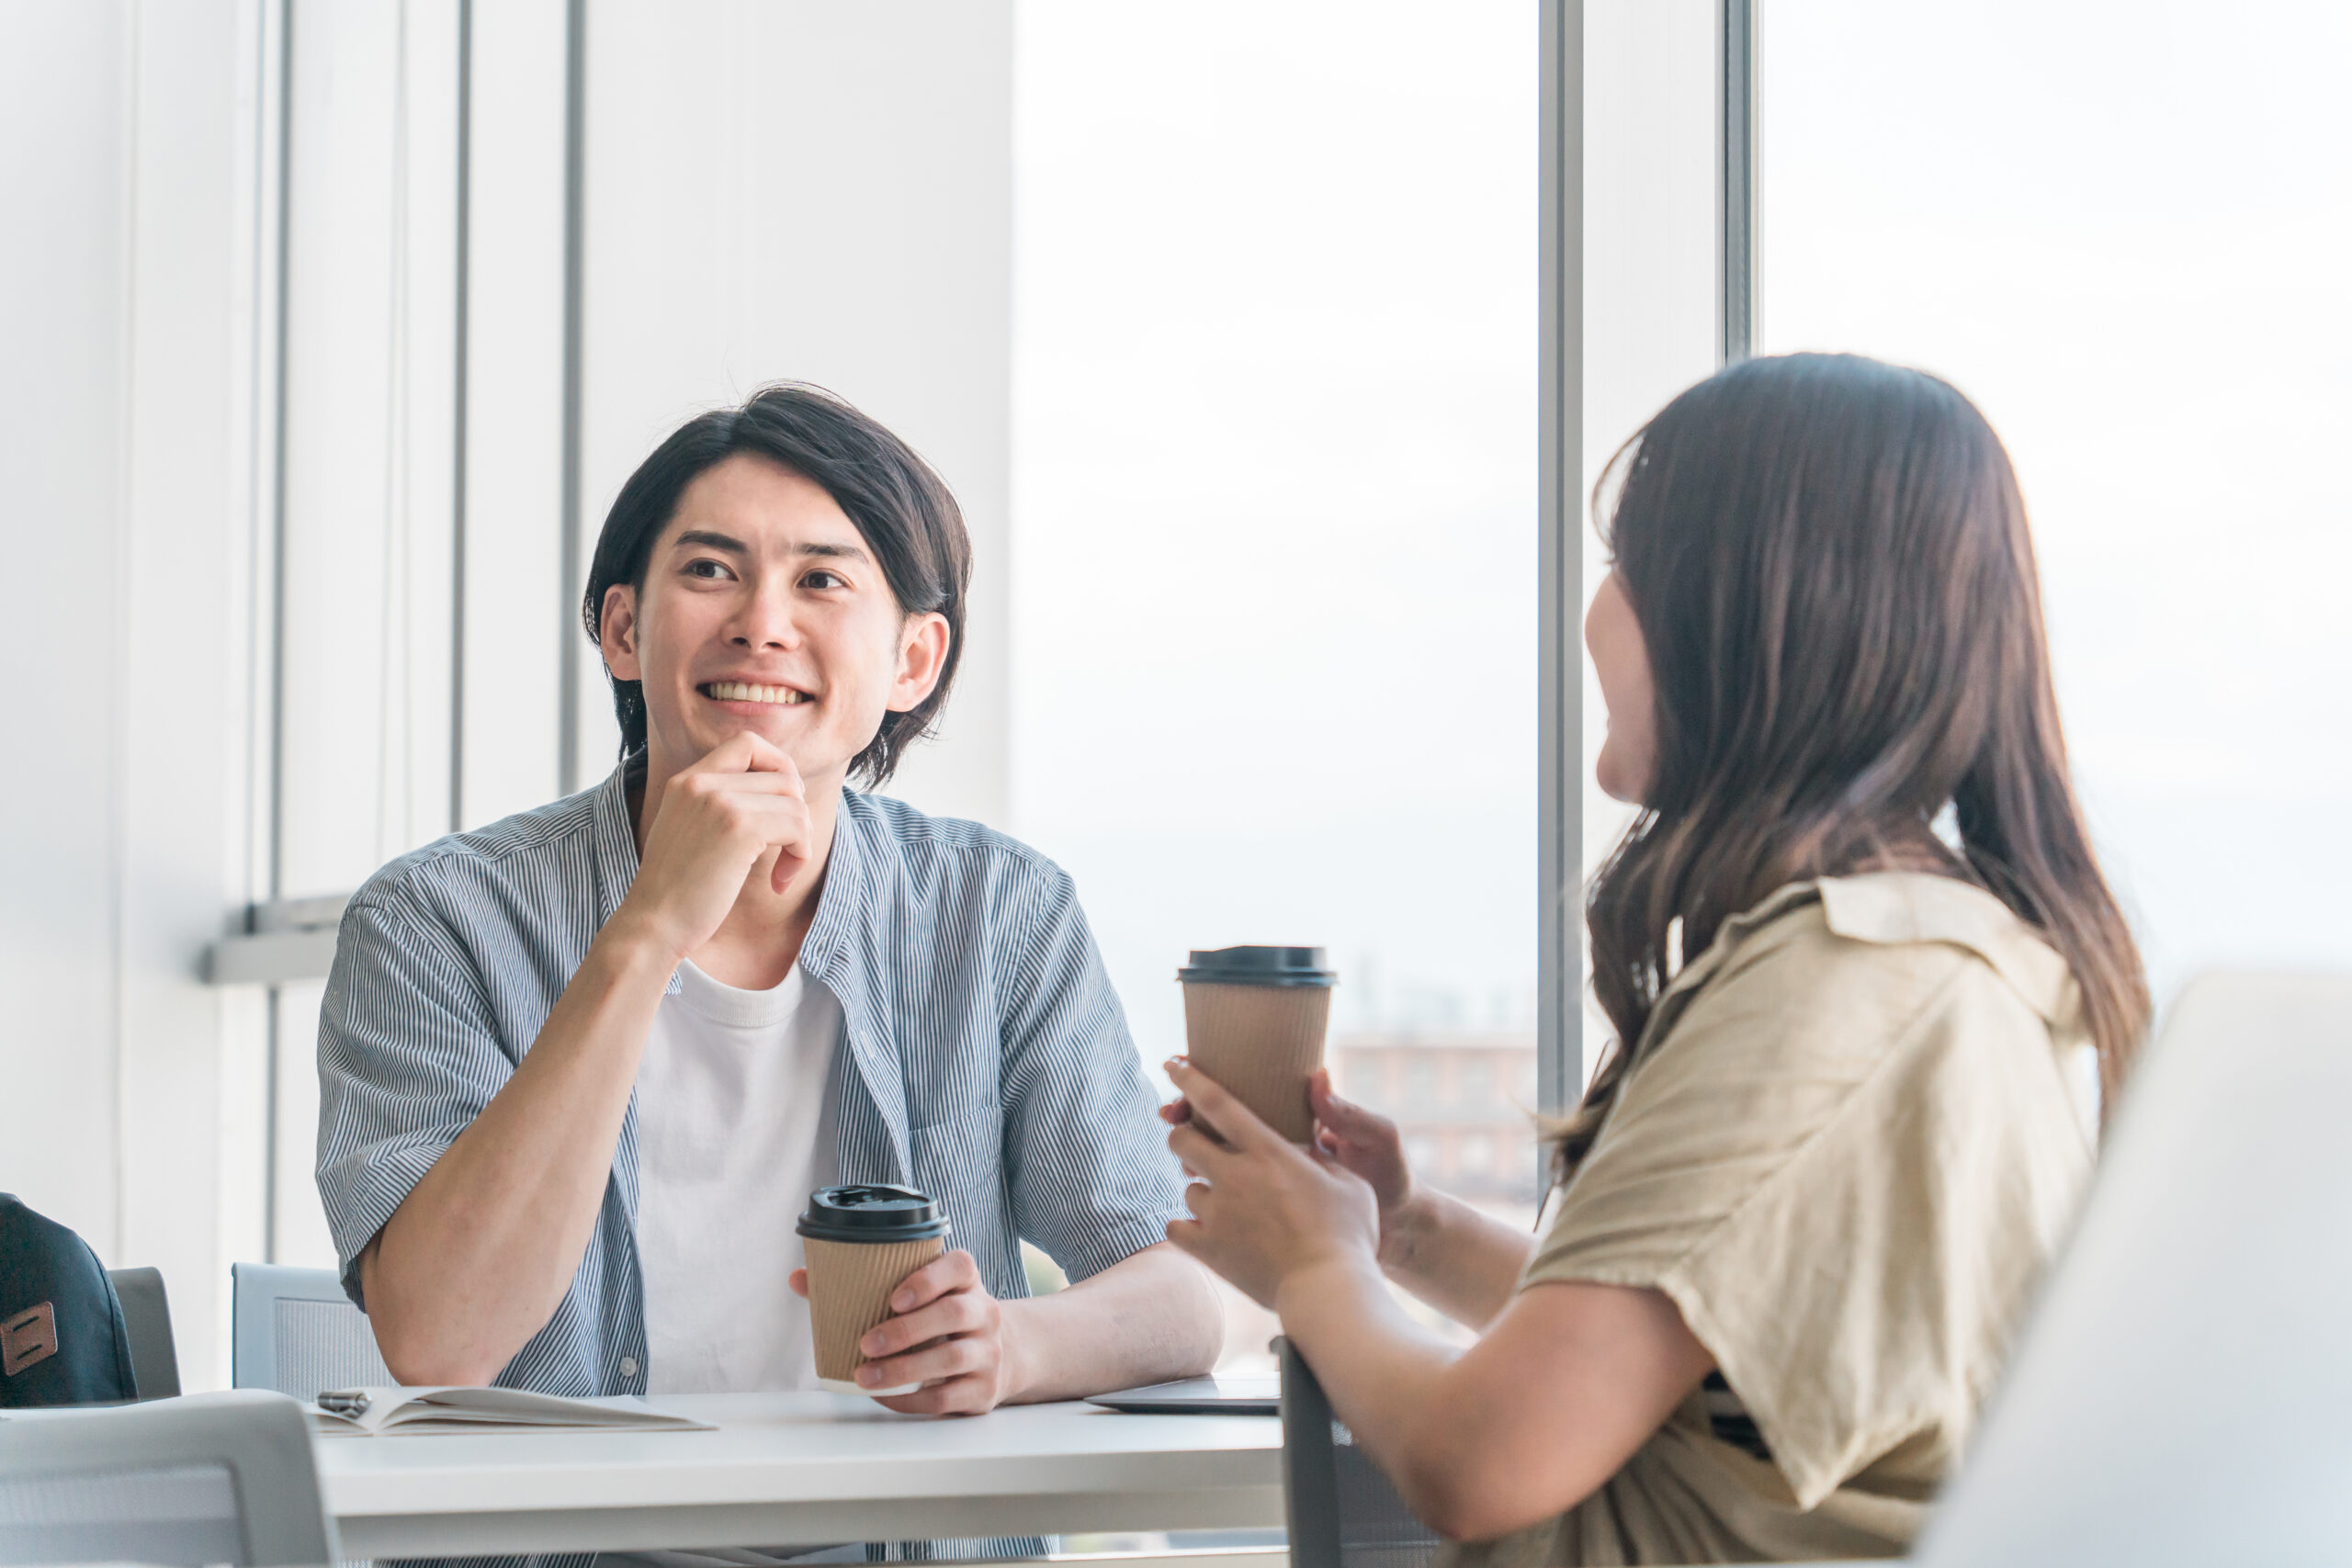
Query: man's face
[{"x": 764, "y": 609}]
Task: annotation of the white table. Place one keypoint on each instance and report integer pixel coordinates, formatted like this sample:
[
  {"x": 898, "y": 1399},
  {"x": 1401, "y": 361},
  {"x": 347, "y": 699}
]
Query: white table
[{"x": 803, "y": 1469}]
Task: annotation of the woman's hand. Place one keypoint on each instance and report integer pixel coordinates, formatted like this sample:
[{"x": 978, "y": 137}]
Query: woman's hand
[
  {"x": 1365, "y": 1144},
  {"x": 1269, "y": 1211}
]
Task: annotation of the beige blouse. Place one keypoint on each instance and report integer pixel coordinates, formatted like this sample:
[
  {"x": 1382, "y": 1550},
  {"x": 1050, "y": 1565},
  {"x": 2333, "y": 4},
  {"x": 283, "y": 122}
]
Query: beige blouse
[{"x": 1851, "y": 1149}]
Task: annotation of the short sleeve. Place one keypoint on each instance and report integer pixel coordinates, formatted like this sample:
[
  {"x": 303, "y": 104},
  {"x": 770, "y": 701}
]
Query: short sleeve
[
  {"x": 1829, "y": 1164},
  {"x": 407, "y": 1059},
  {"x": 1086, "y": 1162}
]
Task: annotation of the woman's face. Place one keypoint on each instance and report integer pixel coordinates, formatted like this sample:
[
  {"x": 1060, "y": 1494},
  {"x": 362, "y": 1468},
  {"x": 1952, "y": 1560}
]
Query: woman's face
[{"x": 1621, "y": 660}]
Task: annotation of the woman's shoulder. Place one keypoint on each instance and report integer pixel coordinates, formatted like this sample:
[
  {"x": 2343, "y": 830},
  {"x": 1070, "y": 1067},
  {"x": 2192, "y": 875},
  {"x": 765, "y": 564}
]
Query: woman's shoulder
[
  {"x": 1909, "y": 980},
  {"x": 1857, "y": 961}
]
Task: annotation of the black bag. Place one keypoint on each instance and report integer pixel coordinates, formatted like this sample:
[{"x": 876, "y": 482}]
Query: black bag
[{"x": 62, "y": 1334}]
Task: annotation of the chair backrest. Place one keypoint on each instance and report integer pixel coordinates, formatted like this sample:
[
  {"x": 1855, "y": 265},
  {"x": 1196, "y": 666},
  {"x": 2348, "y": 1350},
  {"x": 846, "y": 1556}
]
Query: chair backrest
[
  {"x": 295, "y": 1331},
  {"x": 2180, "y": 1394},
  {"x": 211, "y": 1478},
  {"x": 1343, "y": 1512},
  {"x": 147, "y": 1318}
]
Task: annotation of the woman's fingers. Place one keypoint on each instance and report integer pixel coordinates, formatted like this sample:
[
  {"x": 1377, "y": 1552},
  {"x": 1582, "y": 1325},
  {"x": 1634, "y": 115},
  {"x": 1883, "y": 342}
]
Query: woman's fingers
[
  {"x": 1235, "y": 1122},
  {"x": 1198, "y": 1151},
  {"x": 1344, "y": 1117}
]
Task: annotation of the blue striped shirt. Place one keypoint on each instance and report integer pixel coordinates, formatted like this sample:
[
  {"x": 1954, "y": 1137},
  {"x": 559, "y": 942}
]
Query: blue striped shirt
[{"x": 985, "y": 1059}]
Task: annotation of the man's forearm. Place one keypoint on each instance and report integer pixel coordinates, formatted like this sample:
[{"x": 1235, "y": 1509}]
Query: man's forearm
[
  {"x": 1150, "y": 1318},
  {"x": 479, "y": 1255},
  {"x": 1461, "y": 1262}
]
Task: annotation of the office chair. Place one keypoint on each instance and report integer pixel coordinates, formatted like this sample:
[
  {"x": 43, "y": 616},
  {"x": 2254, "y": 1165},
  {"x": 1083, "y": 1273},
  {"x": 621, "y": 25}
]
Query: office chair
[
  {"x": 210, "y": 1478},
  {"x": 295, "y": 1331},
  {"x": 147, "y": 1318},
  {"x": 1343, "y": 1512}
]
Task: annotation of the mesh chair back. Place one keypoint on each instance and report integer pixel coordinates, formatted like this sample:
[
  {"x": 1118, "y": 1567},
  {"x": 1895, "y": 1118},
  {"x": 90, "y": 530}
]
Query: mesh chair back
[
  {"x": 147, "y": 1319},
  {"x": 1342, "y": 1511},
  {"x": 211, "y": 1478},
  {"x": 297, "y": 1333}
]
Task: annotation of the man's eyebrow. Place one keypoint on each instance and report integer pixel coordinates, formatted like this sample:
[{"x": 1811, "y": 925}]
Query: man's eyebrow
[
  {"x": 708, "y": 540},
  {"x": 833, "y": 552}
]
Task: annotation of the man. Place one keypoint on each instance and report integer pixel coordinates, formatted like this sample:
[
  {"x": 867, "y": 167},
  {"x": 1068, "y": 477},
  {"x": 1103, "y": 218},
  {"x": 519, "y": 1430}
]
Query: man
[{"x": 581, "y": 1069}]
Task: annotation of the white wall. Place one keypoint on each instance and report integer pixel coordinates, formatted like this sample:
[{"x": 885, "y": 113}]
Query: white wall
[
  {"x": 797, "y": 191},
  {"x": 125, "y": 161}
]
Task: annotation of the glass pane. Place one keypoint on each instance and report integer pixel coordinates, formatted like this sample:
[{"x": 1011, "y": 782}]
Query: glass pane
[
  {"x": 2122, "y": 231},
  {"x": 1274, "y": 477}
]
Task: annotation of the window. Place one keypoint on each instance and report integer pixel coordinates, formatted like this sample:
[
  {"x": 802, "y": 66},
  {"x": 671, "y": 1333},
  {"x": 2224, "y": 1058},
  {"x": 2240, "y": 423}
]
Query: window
[
  {"x": 2120, "y": 231},
  {"x": 1274, "y": 476},
  {"x": 1477, "y": 1083}
]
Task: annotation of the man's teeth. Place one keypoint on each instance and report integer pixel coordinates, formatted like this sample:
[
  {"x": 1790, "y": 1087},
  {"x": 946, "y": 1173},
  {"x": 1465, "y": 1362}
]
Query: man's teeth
[{"x": 743, "y": 692}]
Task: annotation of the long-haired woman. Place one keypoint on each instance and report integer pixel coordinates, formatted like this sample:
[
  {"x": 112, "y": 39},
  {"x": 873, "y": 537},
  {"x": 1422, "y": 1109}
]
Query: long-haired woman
[{"x": 1854, "y": 947}]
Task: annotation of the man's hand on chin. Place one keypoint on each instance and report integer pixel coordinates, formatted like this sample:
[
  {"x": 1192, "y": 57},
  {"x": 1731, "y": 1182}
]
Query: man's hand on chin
[{"x": 946, "y": 1333}]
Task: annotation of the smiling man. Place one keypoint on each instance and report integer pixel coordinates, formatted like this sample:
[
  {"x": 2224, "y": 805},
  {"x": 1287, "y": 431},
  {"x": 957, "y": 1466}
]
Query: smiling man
[{"x": 580, "y": 1070}]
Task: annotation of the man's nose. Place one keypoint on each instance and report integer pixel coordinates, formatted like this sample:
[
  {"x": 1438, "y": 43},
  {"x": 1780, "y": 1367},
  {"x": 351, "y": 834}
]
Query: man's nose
[{"x": 766, "y": 621}]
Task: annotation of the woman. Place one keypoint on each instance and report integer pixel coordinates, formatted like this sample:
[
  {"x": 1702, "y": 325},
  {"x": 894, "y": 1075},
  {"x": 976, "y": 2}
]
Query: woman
[{"x": 1807, "y": 1197}]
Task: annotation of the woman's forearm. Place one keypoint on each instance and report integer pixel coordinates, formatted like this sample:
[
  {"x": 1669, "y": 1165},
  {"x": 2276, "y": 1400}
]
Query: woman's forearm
[
  {"x": 1151, "y": 1319},
  {"x": 1461, "y": 1262},
  {"x": 1523, "y": 1425},
  {"x": 478, "y": 1257}
]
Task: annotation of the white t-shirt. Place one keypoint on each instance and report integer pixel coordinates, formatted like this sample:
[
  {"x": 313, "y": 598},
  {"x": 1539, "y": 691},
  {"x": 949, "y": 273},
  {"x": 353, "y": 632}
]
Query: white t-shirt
[{"x": 734, "y": 1129}]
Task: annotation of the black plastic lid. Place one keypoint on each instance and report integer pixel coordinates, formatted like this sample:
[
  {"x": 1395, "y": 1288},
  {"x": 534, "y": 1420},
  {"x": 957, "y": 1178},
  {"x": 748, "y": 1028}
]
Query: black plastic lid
[
  {"x": 1259, "y": 966},
  {"x": 871, "y": 1213}
]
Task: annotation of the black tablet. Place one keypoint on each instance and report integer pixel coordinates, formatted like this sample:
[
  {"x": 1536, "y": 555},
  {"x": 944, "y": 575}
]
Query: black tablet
[{"x": 1199, "y": 1396}]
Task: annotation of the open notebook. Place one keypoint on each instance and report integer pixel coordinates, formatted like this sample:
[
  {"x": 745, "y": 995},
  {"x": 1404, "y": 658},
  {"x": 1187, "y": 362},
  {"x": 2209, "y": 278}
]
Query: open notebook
[{"x": 403, "y": 1412}]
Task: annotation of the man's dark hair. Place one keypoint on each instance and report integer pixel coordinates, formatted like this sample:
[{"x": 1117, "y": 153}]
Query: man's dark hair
[{"x": 901, "y": 508}]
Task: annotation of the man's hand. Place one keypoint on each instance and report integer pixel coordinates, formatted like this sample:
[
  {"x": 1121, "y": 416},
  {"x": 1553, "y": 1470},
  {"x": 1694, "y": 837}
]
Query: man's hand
[
  {"x": 946, "y": 1333},
  {"x": 1270, "y": 1209},
  {"x": 713, "y": 824}
]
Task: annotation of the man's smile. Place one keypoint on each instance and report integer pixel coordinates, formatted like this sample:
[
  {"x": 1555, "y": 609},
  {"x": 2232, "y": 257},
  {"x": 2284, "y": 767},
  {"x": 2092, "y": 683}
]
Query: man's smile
[{"x": 745, "y": 692}]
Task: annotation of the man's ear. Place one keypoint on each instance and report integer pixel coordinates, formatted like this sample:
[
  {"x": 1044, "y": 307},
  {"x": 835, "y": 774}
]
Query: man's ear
[
  {"x": 616, "y": 633},
  {"x": 922, "y": 654}
]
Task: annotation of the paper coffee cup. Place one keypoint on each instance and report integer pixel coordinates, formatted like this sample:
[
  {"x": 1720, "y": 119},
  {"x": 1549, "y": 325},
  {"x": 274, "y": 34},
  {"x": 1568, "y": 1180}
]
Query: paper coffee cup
[
  {"x": 861, "y": 1244},
  {"x": 1254, "y": 1021}
]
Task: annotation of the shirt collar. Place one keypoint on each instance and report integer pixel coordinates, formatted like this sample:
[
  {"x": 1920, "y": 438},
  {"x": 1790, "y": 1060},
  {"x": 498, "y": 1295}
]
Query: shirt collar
[
  {"x": 1894, "y": 908},
  {"x": 615, "y": 839},
  {"x": 1910, "y": 906}
]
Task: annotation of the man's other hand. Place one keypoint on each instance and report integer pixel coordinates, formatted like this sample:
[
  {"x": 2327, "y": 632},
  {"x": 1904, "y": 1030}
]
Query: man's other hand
[{"x": 946, "y": 1333}]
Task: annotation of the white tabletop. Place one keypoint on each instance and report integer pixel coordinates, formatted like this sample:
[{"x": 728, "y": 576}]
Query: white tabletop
[{"x": 803, "y": 1469}]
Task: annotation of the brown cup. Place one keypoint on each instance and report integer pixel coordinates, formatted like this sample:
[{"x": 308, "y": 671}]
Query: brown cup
[
  {"x": 861, "y": 1243},
  {"x": 1255, "y": 1020}
]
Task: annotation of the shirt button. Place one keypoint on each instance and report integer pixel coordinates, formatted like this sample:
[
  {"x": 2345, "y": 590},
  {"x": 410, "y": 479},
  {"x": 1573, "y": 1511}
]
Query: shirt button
[{"x": 628, "y": 1366}]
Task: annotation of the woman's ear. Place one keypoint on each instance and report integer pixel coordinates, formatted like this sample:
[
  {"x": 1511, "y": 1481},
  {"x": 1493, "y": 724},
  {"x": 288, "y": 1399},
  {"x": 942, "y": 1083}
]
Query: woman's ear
[
  {"x": 922, "y": 654},
  {"x": 616, "y": 632}
]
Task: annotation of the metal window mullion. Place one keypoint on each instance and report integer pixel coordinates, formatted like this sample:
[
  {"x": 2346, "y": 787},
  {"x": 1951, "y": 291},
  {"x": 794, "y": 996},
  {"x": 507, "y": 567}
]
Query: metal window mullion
[
  {"x": 568, "y": 667},
  {"x": 1560, "y": 480},
  {"x": 1736, "y": 217},
  {"x": 457, "y": 433}
]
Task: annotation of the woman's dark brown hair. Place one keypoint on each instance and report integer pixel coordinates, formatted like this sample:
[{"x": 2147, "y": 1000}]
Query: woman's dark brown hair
[
  {"x": 902, "y": 509},
  {"x": 1829, "y": 563}
]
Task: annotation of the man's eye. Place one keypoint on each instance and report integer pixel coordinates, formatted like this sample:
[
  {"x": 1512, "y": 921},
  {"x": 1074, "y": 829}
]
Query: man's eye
[
  {"x": 823, "y": 578},
  {"x": 706, "y": 568}
]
